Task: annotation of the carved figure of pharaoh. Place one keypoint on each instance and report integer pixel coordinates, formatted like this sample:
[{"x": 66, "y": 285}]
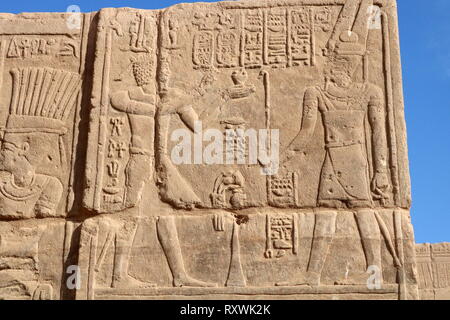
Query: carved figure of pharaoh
[{"x": 345, "y": 105}]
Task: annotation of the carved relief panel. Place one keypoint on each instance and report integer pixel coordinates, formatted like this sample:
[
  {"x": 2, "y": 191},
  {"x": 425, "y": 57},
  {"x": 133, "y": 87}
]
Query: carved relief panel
[
  {"x": 235, "y": 149},
  {"x": 433, "y": 264},
  {"x": 42, "y": 66},
  {"x": 238, "y": 59},
  {"x": 124, "y": 107},
  {"x": 321, "y": 199}
]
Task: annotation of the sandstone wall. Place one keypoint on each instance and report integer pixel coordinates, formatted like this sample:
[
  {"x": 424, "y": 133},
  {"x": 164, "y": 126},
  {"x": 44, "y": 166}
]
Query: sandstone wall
[{"x": 111, "y": 188}]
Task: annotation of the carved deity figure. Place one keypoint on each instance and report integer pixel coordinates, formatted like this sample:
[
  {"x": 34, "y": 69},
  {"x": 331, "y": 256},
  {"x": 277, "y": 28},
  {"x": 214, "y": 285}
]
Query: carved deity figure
[
  {"x": 32, "y": 149},
  {"x": 139, "y": 104},
  {"x": 173, "y": 32},
  {"x": 345, "y": 107},
  {"x": 23, "y": 192}
]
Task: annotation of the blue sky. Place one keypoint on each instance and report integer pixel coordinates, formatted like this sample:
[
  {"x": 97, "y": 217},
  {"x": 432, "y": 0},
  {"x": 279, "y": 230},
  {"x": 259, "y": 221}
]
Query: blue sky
[{"x": 425, "y": 46}]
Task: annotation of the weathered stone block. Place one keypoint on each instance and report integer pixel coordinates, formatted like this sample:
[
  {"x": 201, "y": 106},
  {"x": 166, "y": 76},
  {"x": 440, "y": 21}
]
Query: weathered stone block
[{"x": 246, "y": 149}]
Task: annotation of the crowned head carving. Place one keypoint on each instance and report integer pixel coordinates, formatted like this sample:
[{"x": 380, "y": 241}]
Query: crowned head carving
[
  {"x": 35, "y": 125},
  {"x": 340, "y": 69}
]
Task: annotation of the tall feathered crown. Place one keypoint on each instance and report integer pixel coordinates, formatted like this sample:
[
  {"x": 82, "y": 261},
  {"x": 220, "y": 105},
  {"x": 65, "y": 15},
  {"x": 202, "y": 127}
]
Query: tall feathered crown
[{"x": 42, "y": 99}]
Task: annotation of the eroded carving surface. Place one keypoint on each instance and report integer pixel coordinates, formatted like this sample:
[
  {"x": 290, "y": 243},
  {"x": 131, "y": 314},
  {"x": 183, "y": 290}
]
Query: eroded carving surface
[
  {"x": 231, "y": 150},
  {"x": 433, "y": 264}
]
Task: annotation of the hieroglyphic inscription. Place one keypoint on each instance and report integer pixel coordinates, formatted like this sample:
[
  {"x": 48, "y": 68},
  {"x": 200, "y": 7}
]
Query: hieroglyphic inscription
[
  {"x": 301, "y": 39},
  {"x": 281, "y": 38},
  {"x": 33, "y": 47},
  {"x": 313, "y": 79},
  {"x": 283, "y": 191},
  {"x": 203, "y": 49},
  {"x": 282, "y": 235}
]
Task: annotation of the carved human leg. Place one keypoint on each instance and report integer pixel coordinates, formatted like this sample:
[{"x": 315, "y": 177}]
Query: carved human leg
[
  {"x": 370, "y": 237},
  {"x": 324, "y": 230},
  {"x": 168, "y": 237},
  {"x": 135, "y": 177},
  {"x": 124, "y": 238},
  {"x": 408, "y": 273},
  {"x": 370, "y": 234}
]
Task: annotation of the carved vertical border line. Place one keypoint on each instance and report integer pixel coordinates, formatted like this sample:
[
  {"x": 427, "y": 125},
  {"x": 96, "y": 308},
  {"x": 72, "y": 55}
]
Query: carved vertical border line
[
  {"x": 289, "y": 37},
  {"x": 390, "y": 108},
  {"x": 104, "y": 103},
  {"x": 295, "y": 238},
  {"x": 68, "y": 232},
  {"x": 91, "y": 265},
  {"x": 2, "y": 61},
  {"x": 265, "y": 38},
  {"x": 312, "y": 39},
  {"x": 403, "y": 293},
  {"x": 366, "y": 67},
  {"x": 2, "y": 65},
  {"x": 84, "y": 39},
  {"x": 268, "y": 237},
  {"x": 69, "y": 226},
  {"x": 242, "y": 40},
  {"x": 159, "y": 56},
  {"x": 295, "y": 187}
]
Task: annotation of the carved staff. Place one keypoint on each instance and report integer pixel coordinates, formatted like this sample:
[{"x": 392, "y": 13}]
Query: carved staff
[
  {"x": 2, "y": 64},
  {"x": 264, "y": 74},
  {"x": 390, "y": 109},
  {"x": 269, "y": 248},
  {"x": 387, "y": 236},
  {"x": 2, "y": 60}
]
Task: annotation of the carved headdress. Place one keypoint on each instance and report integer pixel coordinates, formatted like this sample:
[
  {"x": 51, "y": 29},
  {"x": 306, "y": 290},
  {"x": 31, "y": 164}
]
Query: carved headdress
[
  {"x": 41, "y": 102},
  {"x": 42, "y": 99},
  {"x": 142, "y": 71},
  {"x": 350, "y": 33},
  {"x": 347, "y": 46}
]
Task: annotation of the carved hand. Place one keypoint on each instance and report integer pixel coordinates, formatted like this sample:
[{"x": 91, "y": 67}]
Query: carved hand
[
  {"x": 288, "y": 155},
  {"x": 140, "y": 96},
  {"x": 297, "y": 146},
  {"x": 380, "y": 185},
  {"x": 173, "y": 99}
]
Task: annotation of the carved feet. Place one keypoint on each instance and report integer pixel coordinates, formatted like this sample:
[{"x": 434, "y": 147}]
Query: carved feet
[
  {"x": 187, "y": 281},
  {"x": 362, "y": 278},
  {"x": 307, "y": 279},
  {"x": 130, "y": 282}
]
